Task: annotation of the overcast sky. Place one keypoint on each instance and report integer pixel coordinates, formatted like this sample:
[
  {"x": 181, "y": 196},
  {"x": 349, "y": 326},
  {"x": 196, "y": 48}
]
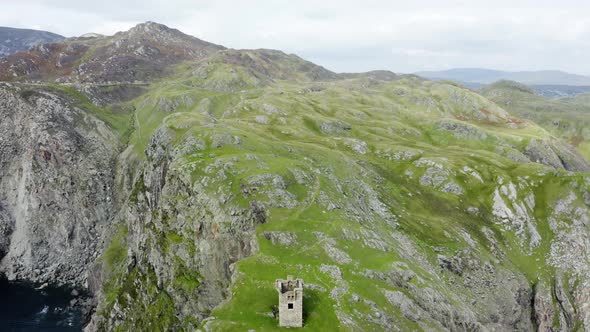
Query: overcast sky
[{"x": 402, "y": 36}]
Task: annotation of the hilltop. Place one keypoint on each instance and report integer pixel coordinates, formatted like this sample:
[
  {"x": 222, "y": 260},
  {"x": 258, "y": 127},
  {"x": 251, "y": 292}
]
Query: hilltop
[
  {"x": 567, "y": 118},
  {"x": 144, "y": 52},
  {"x": 13, "y": 40},
  {"x": 176, "y": 179}
]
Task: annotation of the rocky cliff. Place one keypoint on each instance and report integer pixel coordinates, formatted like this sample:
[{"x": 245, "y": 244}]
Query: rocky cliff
[
  {"x": 56, "y": 185},
  {"x": 404, "y": 204}
]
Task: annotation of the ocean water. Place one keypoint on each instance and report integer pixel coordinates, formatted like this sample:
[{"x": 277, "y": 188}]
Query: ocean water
[{"x": 23, "y": 307}]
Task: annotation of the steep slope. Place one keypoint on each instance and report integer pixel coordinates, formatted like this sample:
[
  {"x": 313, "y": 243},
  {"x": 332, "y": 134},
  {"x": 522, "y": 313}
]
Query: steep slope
[
  {"x": 56, "y": 185},
  {"x": 13, "y": 40},
  {"x": 567, "y": 118},
  {"x": 404, "y": 204}
]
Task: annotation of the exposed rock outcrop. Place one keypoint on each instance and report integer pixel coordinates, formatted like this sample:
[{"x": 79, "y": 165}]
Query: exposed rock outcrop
[
  {"x": 6, "y": 228},
  {"x": 56, "y": 186},
  {"x": 556, "y": 154},
  {"x": 182, "y": 240}
]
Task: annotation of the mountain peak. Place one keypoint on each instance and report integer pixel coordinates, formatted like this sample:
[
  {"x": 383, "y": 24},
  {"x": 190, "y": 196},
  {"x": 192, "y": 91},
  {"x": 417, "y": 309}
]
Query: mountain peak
[
  {"x": 512, "y": 85},
  {"x": 153, "y": 30},
  {"x": 91, "y": 35},
  {"x": 161, "y": 35},
  {"x": 142, "y": 53},
  {"x": 13, "y": 40},
  {"x": 150, "y": 27}
]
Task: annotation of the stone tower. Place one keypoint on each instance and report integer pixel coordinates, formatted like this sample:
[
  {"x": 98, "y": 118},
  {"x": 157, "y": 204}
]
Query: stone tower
[{"x": 290, "y": 302}]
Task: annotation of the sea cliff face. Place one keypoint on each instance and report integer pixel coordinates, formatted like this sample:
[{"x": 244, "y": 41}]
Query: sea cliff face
[
  {"x": 179, "y": 238},
  {"x": 404, "y": 204},
  {"x": 56, "y": 186}
]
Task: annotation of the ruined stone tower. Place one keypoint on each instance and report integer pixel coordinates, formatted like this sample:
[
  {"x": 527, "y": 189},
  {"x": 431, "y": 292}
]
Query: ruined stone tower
[{"x": 290, "y": 302}]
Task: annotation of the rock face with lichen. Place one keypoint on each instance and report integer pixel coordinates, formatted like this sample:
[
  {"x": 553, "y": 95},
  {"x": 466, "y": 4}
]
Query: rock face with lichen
[
  {"x": 180, "y": 238},
  {"x": 404, "y": 204},
  {"x": 56, "y": 186}
]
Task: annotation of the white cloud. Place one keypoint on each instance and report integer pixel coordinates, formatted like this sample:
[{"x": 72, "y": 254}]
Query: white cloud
[{"x": 344, "y": 35}]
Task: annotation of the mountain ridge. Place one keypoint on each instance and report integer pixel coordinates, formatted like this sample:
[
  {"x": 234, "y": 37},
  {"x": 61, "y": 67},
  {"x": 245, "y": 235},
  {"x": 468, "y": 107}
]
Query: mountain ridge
[
  {"x": 488, "y": 76},
  {"x": 13, "y": 40},
  {"x": 142, "y": 53}
]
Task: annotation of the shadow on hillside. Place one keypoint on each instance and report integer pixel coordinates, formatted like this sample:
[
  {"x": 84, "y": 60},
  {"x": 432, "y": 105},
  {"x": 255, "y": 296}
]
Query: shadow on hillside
[{"x": 310, "y": 303}]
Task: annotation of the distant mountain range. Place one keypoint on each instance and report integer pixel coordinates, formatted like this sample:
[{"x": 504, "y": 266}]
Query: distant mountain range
[
  {"x": 13, "y": 40},
  {"x": 488, "y": 76}
]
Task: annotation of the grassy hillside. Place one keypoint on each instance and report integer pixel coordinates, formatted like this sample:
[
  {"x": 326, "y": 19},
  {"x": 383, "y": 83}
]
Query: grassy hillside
[
  {"x": 567, "y": 118},
  {"x": 403, "y": 204},
  {"x": 386, "y": 197}
]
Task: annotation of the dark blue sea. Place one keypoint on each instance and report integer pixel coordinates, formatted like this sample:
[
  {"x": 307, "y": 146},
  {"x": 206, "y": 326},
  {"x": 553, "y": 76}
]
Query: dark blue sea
[{"x": 24, "y": 307}]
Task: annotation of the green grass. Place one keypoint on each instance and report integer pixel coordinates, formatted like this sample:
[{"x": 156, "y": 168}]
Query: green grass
[
  {"x": 243, "y": 129},
  {"x": 566, "y": 118},
  {"x": 381, "y": 215},
  {"x": 116, "y": 252}
]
